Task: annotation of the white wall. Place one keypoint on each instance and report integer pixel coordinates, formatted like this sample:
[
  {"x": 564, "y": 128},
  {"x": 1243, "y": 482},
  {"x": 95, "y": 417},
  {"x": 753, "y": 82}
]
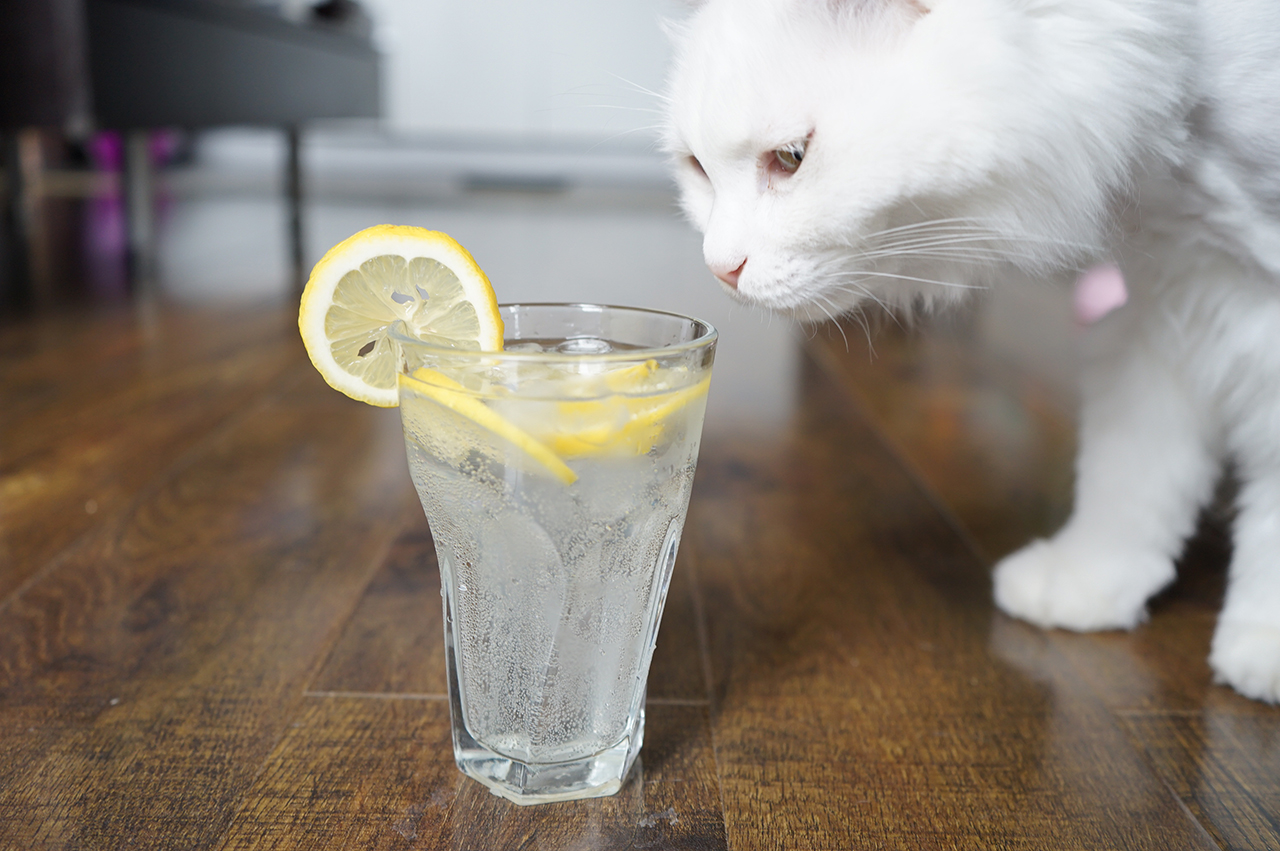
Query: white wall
[{"x": 516, "y": 69}]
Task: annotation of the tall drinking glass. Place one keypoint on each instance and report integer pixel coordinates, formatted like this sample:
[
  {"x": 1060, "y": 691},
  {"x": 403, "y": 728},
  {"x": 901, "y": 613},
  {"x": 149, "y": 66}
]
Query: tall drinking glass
[{"x": 555, "y": 476}]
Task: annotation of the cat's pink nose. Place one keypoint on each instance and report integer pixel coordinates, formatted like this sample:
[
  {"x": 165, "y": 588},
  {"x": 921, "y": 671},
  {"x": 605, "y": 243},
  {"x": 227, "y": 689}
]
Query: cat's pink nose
[{"x": 729, "y": 276}]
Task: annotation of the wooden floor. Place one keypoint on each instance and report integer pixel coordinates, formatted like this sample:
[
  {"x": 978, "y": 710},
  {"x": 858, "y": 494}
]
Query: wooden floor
[{"x": 220, "y": 622}]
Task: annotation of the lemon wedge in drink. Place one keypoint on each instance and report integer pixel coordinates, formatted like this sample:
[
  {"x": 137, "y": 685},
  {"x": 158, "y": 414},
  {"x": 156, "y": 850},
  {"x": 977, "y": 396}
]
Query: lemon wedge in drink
[
  {"x": 630, "y": 420},
  {"x": 622, "y": 424},
  {"x": 443, "y": 390},
  {"x": 378, "y": 276}
]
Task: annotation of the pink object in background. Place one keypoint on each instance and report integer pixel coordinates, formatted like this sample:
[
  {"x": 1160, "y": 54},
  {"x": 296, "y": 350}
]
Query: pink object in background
[
  {"x": 105, "y": 230},
  {"x": 1099, "y": 291}
]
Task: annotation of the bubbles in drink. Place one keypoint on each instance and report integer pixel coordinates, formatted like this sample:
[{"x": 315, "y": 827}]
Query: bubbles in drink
[{"x": 564, "y": 574}]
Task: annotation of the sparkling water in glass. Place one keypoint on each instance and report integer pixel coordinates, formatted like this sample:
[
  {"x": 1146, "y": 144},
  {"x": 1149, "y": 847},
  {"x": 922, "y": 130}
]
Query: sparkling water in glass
[{"x": 555, "y": 476}]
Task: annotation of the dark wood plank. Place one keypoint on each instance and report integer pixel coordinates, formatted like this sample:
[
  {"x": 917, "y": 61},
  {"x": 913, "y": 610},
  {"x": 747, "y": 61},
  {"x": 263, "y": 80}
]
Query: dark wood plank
[
  {"x": 858, "y": 700},
  {"x": 378, "y": 772},
  {"x": 350, "y": 767},
  {"x": 242, "y": 649},
  {"x": 393, "y": 644},
  {"x": 1158, "y": 671},
  {"x": 93, "y": 408},
  {"x": 390, "y": 661},
  {"x": 992, "y": 438},
  {"x": 1224, "y": 765},
  {"x": 59, "y": 362},
  {"x": 168, "y": 652}
]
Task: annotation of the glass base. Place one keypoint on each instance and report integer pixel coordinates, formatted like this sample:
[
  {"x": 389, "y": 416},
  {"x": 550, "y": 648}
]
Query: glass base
[{"x": 595, "y": 776}]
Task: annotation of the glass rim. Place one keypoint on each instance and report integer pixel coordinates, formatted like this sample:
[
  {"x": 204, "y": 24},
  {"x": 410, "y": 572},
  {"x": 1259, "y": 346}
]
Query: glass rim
[{"x": 702, "y": 341}]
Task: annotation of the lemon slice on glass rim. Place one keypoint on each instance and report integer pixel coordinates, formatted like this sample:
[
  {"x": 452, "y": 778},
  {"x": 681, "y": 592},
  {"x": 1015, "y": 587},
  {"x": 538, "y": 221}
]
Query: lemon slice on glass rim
[
  {"x": 426, "y": 285},
  {"x": 378, "y": 276}
]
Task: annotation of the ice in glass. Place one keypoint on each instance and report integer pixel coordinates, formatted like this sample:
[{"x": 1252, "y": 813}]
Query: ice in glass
[{"x": 555, "y": 476}]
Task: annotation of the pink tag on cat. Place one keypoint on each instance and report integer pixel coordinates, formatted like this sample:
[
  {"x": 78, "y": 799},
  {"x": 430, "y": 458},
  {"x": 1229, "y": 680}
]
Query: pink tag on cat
[{"x": 1099, "y": 291}]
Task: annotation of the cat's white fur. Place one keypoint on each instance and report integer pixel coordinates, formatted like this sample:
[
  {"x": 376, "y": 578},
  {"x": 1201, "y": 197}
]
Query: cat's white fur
[{"x": 949, "y": 144}]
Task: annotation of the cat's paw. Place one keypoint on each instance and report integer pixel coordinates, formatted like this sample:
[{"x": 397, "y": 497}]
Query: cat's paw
[
  {"x": 1061, "y": 584},
  {"x": 1246, "y": 656}
]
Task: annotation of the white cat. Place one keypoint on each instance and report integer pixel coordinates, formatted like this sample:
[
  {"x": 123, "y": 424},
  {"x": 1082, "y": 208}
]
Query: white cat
[{"x": 905, "y": 151}]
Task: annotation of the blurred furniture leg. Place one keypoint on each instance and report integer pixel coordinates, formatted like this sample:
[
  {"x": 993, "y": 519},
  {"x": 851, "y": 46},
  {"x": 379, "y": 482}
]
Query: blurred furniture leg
[
  {"x": 16, "y": 289},
  {"x": 139, "y": 200},
  {"x": 42, "y": 86},
  {"x": 29, "y": 276},
  {"x": 293, "y": 202},
  {"x": 210, "y": 63},
  {"x": 76, "y": 65}
]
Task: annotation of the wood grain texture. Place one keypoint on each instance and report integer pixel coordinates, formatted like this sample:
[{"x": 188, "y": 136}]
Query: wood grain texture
[
  {"x": 378, "y": 772},
  {"x": 165, "y": 649},
  {"x": 241, "y": 646},
  {"x": 1155, "y": 680},
  {"x": 92, "y": 410},
  {"x": 1224, "y": 765},
  {"x": 389, "y": 664},
  {"x": 867, "y": 693}
]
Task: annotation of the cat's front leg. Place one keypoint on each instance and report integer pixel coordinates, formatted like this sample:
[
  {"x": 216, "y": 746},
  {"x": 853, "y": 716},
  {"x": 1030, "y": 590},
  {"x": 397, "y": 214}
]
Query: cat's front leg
[
  {"x": 1143, "y": 470},
  {"x": 1246, "y": 643}
]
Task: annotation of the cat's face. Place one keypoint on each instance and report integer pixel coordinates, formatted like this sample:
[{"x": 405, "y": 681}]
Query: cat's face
[{"x": 892, "y": 150}]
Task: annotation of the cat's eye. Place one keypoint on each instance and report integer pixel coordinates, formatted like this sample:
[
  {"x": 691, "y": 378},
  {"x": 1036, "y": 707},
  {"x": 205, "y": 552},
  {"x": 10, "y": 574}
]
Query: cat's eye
[
  {"x": 788, "y": 159},
  {"x": 696, "y": 166},
  {"x": 778, "y": 165}
]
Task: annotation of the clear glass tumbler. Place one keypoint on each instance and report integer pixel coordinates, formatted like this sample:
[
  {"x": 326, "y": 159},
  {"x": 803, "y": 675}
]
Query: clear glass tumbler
[{"x": 555, "y": 476}]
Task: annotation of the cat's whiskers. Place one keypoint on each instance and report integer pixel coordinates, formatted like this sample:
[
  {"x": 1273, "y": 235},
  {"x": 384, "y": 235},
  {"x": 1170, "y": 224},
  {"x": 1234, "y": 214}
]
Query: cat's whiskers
[
  {"x": 864, "y": 273},
  {"x": 996, "y": 242},
  {"x": 833, "y": 313},
  {"x": 859, "y": 315},
  {"x": 822, "y": 302},
  {"x": 931, "y": 240},
  {"x": 846, "y": 285},
  {"x": 940, "y": 250},
  {"x": 624, "y": 108},
  {"x": 958, "y": 247},
  {"x": 644, "y": 90},
  {"x": 1004, "y": 246},
  {"x": 964, "y": 229},
  {"x": 621, "y": 133},
  {"x": 950, "y": 241},
  {"x": 839, "y": 280},
  {"x": 927, "y": 223}
]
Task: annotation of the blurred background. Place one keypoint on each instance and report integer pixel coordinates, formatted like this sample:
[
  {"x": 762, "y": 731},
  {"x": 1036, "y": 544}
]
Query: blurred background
[
  {"x": 202, "y": 151},
  {"x": 197, "y": 151},
  {"x": 401, "y": 106}
]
